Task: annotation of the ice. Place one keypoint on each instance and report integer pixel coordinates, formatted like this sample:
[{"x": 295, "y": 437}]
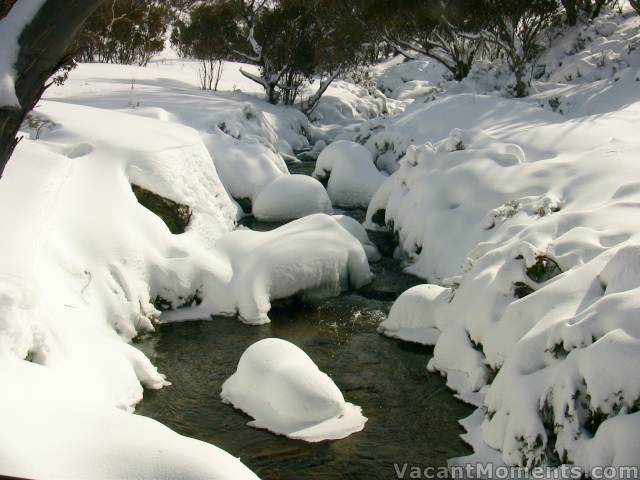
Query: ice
[{"x": 278, "y": 385}]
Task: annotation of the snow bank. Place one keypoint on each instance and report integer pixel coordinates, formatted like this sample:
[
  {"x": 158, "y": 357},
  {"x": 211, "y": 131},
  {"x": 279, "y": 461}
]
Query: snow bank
[
  {"x": 352, "y": 176},
  {"x": 523, "y": 220},
  {"x": 85, "y": 264},
  {"x": 291, "y": 197},
  {"x": 313, "y": 257},
  {"x": 278, "y": 385},
  {"x": 11, "y": 26},
  {"x": 246, "y": 137},
  {"x": 71, "y": 440}
]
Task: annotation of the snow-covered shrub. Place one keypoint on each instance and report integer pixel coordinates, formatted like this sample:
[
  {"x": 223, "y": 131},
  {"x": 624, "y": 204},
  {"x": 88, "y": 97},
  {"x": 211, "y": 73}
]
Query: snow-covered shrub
[
  {"x": 243, "y": 144},
  {"x": 345, "y": 103}
]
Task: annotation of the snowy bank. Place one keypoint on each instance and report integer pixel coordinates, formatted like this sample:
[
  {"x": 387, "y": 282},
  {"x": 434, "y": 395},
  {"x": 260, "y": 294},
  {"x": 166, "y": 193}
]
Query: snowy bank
[
  {"x": 84, "y": 262},
  {"x": 536, "y": 301},
  {"x": 284, "y": 391},
  {"x": 521, "y": 221}
]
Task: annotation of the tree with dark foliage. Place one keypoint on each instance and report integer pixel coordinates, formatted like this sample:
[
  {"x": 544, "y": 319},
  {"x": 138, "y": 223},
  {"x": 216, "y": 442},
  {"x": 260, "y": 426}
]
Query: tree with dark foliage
[
  {"x": 292, "y": 42},
  {"x": 125, "y": 31}
]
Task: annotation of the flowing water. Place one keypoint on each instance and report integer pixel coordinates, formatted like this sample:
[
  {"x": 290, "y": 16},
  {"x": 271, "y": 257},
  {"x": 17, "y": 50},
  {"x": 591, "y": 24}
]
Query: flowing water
[{"x": 412, "y": 417}]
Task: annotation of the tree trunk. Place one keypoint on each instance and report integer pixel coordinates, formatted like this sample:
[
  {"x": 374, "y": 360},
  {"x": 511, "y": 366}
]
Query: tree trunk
[
  {"x": 636, "y": 5},
  {"x": 571, "y": 10},
  {"x": 43, "y": 49}
]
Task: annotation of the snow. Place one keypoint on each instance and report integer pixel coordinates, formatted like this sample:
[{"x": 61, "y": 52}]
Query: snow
[
  {"x": 313, "y": 257},
  {"x": 79, "y": 441},
  {"x": 352, "y": 177},
  {"x": 87, "y": 266},
  {"x": 356, "y": 229},
  {"x": 345, "y": 104},
  {"x": 11, "y": 26},
  {"x": 246, "y": 137},
  {"x": 290, "y": 197},
  {"x": 278, "y": 385},
  {"x": 412, "y": 313},
  {"x": 85, "y": 261},
  {"x": 519, "y": 216}
]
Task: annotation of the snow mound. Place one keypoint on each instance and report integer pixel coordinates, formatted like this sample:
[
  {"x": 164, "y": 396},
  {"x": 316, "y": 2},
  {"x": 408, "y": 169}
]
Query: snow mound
[
  {"x": 352, "y": 175},
  {"x": 412, "y": 315},
  {"x": 72, "y": 440},
  {"x": 278, "y": 385},
  {"x": 408, "y": 80},
  {"x": 312, "y": 257},
  {"x": 291, "y": 197}
]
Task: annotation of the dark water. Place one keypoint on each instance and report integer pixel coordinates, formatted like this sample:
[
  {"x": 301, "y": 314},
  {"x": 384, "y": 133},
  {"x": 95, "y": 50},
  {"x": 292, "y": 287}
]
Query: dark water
[{"x": 412, "y": 416}]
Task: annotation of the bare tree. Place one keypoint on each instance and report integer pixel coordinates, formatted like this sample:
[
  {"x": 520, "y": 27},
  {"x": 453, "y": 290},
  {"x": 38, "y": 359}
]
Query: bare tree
[{"x": 43, "y": 50}]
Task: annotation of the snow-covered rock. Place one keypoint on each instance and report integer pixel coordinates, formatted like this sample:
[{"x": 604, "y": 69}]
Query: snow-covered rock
[
  {"x": 278, "y": 385},
  {"x": 411, "y": 317},
  {"x": 312, "y": 257},
  {"x": 290, "y": 197},
  {"x": 353, "y": 177},
  {"x": 358, "y": 231}
]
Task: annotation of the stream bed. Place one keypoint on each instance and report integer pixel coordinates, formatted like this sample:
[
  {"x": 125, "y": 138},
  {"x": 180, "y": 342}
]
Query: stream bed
[{"x": 412, "y": 416}]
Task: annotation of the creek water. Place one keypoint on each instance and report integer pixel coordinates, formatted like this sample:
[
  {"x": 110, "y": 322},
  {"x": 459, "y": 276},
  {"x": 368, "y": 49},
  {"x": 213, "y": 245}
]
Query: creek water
[{"x": 412, "y": 416}]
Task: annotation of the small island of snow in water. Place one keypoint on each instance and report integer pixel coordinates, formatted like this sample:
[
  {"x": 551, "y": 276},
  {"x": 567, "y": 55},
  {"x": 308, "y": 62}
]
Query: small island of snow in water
[{"x": 286, "y": 393}]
